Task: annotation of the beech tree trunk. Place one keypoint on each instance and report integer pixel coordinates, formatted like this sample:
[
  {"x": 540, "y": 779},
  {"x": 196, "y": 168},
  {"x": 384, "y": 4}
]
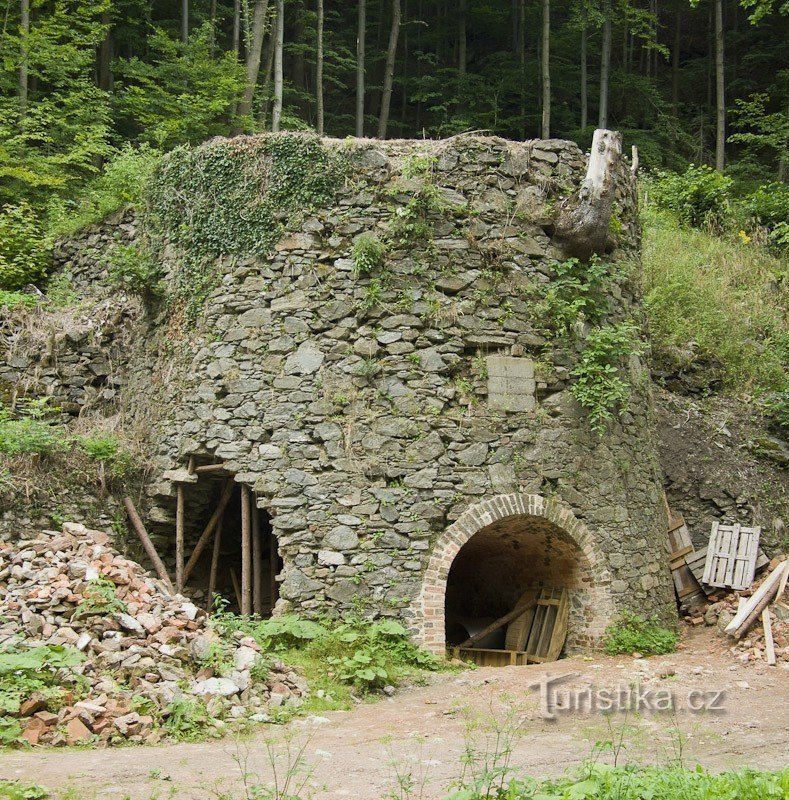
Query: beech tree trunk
[
  {"x": 319, "y": 71},
  {"x": 581, "y": 229},
  {"x": 24, "y": 31},
  {"x": 720, "y": 99},
  {"x": 584, "y": 79},
  {"x": 236, "y": 44},
  {"x": 545, "y": 70},
  {"x": 391, "y": 53},
  {"x": 605, "y": 66},
  {"x": 184, "y": 21},
  {"x": 259, "y": 15},
  {"x": 360, "y": 33},
  {"x": 675, "y": 62},
  {"x": 276, "y": 114},
  {"x": 105, "y": 55}
]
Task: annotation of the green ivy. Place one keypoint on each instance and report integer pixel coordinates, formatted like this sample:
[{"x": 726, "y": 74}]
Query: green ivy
[
  {"x": 599, "y": 384},
  {"x": 235, "y": 197}
]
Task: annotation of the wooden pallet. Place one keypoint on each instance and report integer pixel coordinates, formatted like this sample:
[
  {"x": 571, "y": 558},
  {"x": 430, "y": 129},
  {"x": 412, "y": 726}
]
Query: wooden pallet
[
  {"x": 483, "y": 657},
  {"x": 696, "y": 561},
  {"x": 731, "y": 556}
]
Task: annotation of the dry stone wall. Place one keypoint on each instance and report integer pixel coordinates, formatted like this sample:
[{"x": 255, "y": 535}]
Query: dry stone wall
[{"x": 370, "y": 411}]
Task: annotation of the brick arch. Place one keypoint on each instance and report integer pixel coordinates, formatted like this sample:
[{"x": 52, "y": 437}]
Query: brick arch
[{"x": 429, "y": 607}]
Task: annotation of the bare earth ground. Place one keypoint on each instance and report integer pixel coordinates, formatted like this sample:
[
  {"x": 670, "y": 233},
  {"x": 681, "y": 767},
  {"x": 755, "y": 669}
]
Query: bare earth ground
[{"x": 423, "y": 731}]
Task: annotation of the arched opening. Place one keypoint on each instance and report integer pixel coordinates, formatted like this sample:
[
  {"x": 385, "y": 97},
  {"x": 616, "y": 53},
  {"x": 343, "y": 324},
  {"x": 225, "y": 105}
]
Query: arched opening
[
  {"x": 506, "y": 564},
  {"x": 503, "y": 548},
  {"x": 213, "y": 508}
]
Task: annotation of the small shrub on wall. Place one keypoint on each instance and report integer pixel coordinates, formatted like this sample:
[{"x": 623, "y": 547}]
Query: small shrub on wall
[{"x": 24, "y": 253}]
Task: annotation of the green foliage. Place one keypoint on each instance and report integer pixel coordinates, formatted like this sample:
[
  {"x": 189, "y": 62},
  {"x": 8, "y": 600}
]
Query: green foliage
[
  {"x": 412, "y": 223},
  {"x": 26, "y": 670},
  {"x": 180, "y": 93},
  {"x": 579, "y": 292},
  {"x": 110, "y": 451},
  {"x": 235, "y": 197},
  {"x": 275, "y": 635},
  {"x": 134, "y": 268},
  {"x": 99, "y": 599},
  {"x": 633, "y": 634},
  {"x": 768, "y": 208},
  {"x": 699, "y": 197},
  {"x": 760, "y": 128},
  {"x": 369, "y": 254},
  {"x": 715, "y": 305},
  {"x": 186, "y": 719},
  {"x": 29, "y": 430},
  {"x": 14, "y": 790},
  {"x": 126, "y": 172},
  {"x": 599, "y": 383},
  {"x": 776, "y": 407},
  {"x": 24, "y": 254},
  {"x": 12, "y": 300}
]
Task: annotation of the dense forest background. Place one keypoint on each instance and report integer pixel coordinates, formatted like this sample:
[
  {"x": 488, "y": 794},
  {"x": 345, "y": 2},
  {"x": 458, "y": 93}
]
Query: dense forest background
[{"x": 93, "y": 93}]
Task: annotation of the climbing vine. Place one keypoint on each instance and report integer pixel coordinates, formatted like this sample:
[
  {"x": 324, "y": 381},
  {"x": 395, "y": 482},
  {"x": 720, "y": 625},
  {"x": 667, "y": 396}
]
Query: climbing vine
[{"x": 234, "y": 197}]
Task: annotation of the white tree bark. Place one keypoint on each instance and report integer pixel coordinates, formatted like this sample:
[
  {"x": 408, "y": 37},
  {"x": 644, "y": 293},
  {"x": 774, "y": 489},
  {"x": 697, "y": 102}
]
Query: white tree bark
[
  {"x": 276, "y": 114},
  {"x": 581, "y": 229},
  {"x": 605, "y": 66},
  {"x": 259, "y": 15},
  {"x": 360, "y": 33}
]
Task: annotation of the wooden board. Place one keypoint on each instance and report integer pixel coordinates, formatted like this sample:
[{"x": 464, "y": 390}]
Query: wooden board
[
  {"x": 549, "y": 626},
  {"x": 518, "y": 629},
  {"x": 731, "y": 556},
  {"x": 491, "y": 658},
  {"x": 697, "y": 560},
  {"x": 679, "y": 539}
]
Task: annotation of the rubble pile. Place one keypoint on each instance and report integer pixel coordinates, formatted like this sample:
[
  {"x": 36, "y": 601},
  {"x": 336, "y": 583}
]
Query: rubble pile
[
  {"x": 147, "y": 654},
  {"x": 750, "y": 648}
]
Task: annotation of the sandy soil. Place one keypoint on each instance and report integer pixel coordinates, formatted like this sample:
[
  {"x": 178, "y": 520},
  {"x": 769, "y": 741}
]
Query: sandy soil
[{"x": 422, "y": 732}]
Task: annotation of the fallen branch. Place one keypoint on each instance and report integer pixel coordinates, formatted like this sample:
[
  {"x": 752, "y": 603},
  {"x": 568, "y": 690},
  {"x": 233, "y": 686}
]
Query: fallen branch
[
  {"x": 147, "y": 544},
  {"x": 494, "y": 626}
]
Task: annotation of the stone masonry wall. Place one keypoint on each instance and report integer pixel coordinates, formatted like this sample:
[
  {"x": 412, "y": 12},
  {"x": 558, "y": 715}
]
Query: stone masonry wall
[{"x": 370, "y": 412}]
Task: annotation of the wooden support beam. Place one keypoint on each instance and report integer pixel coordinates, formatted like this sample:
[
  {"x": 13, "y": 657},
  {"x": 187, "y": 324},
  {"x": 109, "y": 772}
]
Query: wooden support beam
[
  {"x": 274, "y": 564},
  {"x": 150, "y": 550},
  {"x": 494, "y": 626},
  {"x": 246, "y": 551},
  {"x": 214, "y": 565},
  {"x": 207, "y": 469},
  {"x": 769, "y": 647},
  {"x": 745, "y": 617},
  {"x": 179, "y": 538},
  {"x": 205, "y": 536},
  {"x": 236, "y": 587},
  {"x": 257, "y": 564}
]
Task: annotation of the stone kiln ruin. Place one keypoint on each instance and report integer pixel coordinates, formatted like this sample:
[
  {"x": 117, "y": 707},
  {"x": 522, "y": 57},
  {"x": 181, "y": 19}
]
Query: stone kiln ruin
[{"x": 405, "y": 426}]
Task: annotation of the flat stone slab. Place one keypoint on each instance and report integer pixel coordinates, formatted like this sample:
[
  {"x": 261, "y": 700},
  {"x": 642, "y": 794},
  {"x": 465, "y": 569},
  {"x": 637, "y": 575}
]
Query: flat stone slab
[{"x": 511, "y": 383}]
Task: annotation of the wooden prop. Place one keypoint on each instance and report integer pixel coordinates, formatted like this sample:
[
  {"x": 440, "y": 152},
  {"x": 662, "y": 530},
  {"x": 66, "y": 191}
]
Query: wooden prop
[
  {"x": 205, "y": 536},
  {"x": 494, "y": 626},
  {"x": 768, "y": 637},
  {"x": 549, "y": 628},
  {"x": 179, "y": 538},
  {"x": 236, "y": 587},
  {"x": 257, "y": 564},
  {"x": 757, "y": 602},
  {"x": 214, "y": 565},
  {"x": 246, "y": 552},
  {"x": 150, "y": 550},
  {"x": 209, "y": 468},
  {"x": 274, "y": 566}
]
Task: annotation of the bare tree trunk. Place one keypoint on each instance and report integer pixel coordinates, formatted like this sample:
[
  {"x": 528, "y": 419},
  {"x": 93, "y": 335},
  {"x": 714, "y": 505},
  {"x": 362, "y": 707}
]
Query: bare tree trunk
[
  {"x": 391, "y": 53},
  {"x": 522, "y": 63},
  {"x": 605, "y": 66},
  {"x": 267, "y": 77},
  {"x": 276, "y": 114},
  {"x": 24, "y": 31},
  {"x": 720, "y": 99},
  {"x": 360, "y": 32},
  {"x": 462, "y": 45},
  {"x": 319, "y": 71},
  {"x": 259, "y": 15},
  {"x": 105, "y": 55},
  {"x": 184, "y": 21},
  {"x": 545, "y": 70},
  {"x": 237, "y": 27},
  {"x": 675, "y": 61},
  {"x": 584, "y": 79}
]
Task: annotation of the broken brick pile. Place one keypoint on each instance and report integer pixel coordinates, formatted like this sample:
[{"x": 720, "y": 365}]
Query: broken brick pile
[{"x": 144, "y": 649}]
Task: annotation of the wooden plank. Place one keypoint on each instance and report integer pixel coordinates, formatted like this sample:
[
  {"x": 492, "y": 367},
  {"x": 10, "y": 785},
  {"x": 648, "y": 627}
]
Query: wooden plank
[
  {"x": 731, "y": 556},
  {"x": 207, "y": 469},
  {"x": 518, "y": 630},
  {"x": 768, "y": 637},
  {"x": 257, "y": 563},
  {"x": 273, "y": 562},
  {"x": 559, "y": 633},
  {"x": 711, "y": 549},
  {"x": 754, "y": 605},
  {"x": 214, "y": 566}
]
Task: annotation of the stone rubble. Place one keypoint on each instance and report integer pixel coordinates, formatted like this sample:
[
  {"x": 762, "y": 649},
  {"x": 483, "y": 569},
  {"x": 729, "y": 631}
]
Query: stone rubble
[{"x": 139, "y": 659}]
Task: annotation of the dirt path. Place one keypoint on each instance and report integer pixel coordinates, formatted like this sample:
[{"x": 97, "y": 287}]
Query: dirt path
[{"x": 422, "y": 731}]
